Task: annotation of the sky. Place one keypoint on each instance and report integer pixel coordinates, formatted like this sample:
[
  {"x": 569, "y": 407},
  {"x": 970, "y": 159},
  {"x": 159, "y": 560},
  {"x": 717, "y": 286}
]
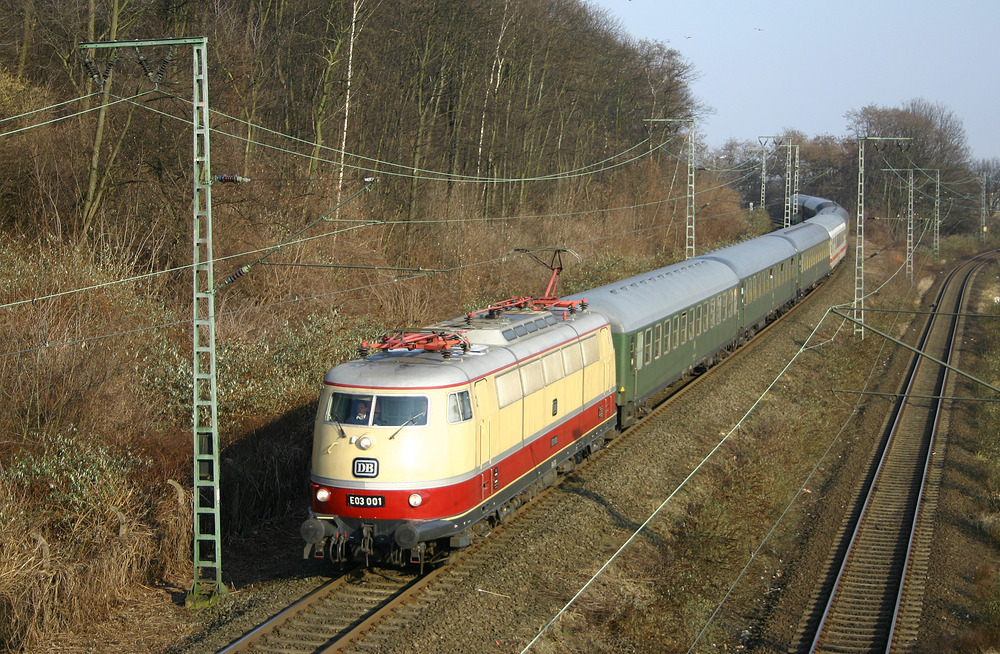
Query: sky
[{"x": 765, "y": 66}]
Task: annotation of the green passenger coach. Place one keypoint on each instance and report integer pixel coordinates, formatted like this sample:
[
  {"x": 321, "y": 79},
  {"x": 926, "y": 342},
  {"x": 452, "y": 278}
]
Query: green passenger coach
[{"x": 664, "y": 324}]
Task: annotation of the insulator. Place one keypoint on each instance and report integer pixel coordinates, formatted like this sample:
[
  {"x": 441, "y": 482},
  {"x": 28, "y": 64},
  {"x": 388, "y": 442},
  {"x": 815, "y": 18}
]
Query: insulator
[
  {"x": 163, "y": 65},
  {"x": 92, "y": 70},
  {"x": 112, "y": 60},
  {"x": 144, "y": 64},
  {"x": 232, "y": 179},
  {"x": 446, "y": 353},
  {"x": 236, "y": 275},
  {"x": 364, "y": 351}
]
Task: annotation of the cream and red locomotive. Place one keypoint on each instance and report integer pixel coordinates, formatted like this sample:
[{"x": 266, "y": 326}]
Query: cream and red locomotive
[{"x": 433, "y": 435}]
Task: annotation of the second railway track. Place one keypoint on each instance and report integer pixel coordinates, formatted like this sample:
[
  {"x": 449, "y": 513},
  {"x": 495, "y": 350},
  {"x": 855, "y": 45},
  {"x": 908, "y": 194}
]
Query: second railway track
[{"x": 874, "y": 602}]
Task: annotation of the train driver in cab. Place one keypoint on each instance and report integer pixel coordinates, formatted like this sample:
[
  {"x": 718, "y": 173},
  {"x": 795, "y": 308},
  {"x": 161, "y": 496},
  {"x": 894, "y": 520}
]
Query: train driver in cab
[{"x": 360, "y": 414}]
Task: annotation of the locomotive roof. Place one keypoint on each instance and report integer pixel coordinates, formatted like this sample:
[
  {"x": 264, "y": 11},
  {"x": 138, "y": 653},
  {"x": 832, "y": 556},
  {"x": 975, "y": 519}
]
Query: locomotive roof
[
  {"x": 750, "y": 257},
  {"x": 490, "y": 351},
  {"x": 638, "y": 301}
]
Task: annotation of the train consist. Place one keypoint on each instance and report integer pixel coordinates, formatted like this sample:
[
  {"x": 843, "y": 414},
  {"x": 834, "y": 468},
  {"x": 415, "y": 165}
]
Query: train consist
[{"x": 433, "y": 436}]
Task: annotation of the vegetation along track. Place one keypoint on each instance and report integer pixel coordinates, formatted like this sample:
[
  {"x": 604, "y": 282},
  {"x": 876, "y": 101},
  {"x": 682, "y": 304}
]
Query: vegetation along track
[
  {"x": 874, "y": 601},
  {"x": 361, "y": 609}
]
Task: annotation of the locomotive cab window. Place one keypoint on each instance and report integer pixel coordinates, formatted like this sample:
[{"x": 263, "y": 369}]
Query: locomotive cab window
[
  {"x": 378, "y": 411},
  {"x": 459, "y": 407}
]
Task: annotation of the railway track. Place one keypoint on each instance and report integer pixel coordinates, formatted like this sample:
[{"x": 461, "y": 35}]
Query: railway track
[
  {"x": 335, "y": 611},
  {"x": 358, "y": 611},
  {"x": 874, "y": 602}
]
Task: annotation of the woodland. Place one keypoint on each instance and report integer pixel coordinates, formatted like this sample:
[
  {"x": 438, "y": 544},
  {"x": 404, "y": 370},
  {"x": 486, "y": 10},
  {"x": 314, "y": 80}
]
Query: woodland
[{"x": 394, "y": 161}]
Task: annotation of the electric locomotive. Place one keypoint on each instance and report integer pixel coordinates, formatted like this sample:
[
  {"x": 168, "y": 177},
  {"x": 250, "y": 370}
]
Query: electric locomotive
[{"x": 433, "y": 435}]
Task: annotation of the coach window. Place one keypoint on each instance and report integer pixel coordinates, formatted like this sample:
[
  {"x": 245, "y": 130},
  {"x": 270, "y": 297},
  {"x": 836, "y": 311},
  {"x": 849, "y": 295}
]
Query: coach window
[
  {"x": 684, "y": 327},
  {"x": 666, "y": 336},
  {"x": 677, "y": 332},
  {"x": 658, "y": 348},
  {"x": 459, "y": 407},
  {"x": 649, "y": 345},
  {"x": 638, "y": 350}
]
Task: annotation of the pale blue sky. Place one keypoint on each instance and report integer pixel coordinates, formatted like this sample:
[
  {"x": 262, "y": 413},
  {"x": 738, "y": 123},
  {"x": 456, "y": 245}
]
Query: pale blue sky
[{"x": 803, "y": 64}]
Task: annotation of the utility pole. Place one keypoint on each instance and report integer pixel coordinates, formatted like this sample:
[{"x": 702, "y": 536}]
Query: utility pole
[
  {"x": 859, "y": 236},
  {"x": 982, "y": 216},
  {"x": 937, "y": 213},
  {"x": 207, "y": 585},
  {"x": 937, "y": 207},
  {"x": 909, "y": 227},
  {"x": 689, "y": 249},
  {"x": 795, "y": 190},
  {"x": 763, "y": 166},
  {"x": 791, "y": 182},
  {"x": 909, "y": 219}
]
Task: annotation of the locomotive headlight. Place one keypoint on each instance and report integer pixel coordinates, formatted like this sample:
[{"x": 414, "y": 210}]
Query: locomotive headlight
[
  {"x": 416, "y": 500},
  {"x": 365, "y": 442},
  {"x": 322, "y": 494}
]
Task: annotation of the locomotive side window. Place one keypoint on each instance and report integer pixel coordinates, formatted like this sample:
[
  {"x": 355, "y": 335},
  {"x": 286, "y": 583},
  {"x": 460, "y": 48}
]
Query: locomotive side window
[
  {"x": 532, "y": 377},
  {"x": 572, "y": 358},
  {"x": 552, "y": 364},
  {"x": 591, "y": 351},
  {"x": 508, "y": 388},
  {"x": 459, "y": 407}
]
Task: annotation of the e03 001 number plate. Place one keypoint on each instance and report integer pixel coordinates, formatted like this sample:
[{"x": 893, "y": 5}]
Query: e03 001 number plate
[{"x": 366, "y": 501}]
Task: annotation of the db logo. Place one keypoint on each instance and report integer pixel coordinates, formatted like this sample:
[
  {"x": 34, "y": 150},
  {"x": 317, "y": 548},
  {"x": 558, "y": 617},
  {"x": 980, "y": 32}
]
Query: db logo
[{"x": 367, "y": 468}]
